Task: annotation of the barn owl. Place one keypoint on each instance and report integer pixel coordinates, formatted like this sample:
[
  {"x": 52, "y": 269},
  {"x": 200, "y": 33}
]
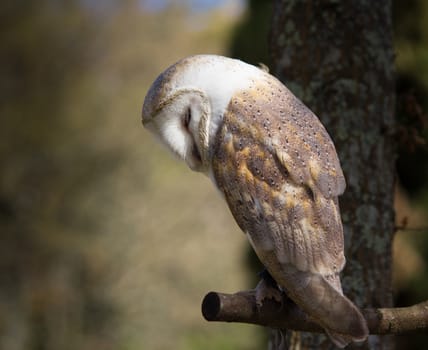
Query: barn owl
[{"x": 277, "y": 169}]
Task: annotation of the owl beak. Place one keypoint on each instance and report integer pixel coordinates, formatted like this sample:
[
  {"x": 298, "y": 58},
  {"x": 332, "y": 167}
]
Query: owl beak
[
  {"x": 146, "y": 119},
  {"x": 146, "y": 114},
  {"x": 148, "y": 124}
]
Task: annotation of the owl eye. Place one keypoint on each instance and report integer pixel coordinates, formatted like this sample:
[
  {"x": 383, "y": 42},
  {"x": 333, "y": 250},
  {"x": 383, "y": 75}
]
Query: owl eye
[{"x": 187, "y": 118}]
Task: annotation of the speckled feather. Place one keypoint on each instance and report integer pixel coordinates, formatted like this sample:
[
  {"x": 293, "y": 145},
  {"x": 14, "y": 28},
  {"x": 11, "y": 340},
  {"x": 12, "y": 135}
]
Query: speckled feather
[
  {"x": 280, "y": 175},
  {"x": 285, "y": 177}
]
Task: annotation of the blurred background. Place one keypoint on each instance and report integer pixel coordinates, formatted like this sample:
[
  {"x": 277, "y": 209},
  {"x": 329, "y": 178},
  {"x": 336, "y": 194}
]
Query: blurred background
[{"x": 108, "y": 242}]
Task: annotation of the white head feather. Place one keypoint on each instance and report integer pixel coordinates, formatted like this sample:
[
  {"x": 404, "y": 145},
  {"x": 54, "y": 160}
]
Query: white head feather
[{"x": 203, "y": 86}]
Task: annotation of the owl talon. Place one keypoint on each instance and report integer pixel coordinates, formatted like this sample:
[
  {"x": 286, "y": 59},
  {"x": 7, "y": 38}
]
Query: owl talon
[{"x": 267, "y": 288}]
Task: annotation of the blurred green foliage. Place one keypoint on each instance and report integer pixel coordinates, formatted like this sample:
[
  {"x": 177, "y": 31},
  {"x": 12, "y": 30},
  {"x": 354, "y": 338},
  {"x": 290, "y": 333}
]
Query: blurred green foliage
[
  {"x": 46, "y": 277},
  {"x": 100, "y": 245},
  {"x": 411, "y": 38},
  {"x": 410, "y": 20}
]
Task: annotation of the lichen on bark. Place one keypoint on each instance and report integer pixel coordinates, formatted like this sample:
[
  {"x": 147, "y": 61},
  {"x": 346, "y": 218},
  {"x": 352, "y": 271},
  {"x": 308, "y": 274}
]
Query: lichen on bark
[{"x": 337, "y": 56}]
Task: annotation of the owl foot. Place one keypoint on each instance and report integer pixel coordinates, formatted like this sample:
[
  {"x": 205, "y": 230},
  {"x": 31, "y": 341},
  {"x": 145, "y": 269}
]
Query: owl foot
[{"x": 267, "y": 288}]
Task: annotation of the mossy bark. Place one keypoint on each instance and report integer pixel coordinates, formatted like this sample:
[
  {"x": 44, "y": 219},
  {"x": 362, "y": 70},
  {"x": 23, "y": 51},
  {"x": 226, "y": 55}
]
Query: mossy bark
[{"x": 337, "y": 56}]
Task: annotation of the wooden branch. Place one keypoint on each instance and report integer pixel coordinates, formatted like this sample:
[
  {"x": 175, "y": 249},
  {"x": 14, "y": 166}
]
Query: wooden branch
[{"x": 242, "y": 307}]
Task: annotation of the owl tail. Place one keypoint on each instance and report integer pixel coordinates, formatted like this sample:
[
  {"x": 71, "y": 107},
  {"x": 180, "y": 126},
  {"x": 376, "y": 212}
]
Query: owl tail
[{"x": 323, "y": 299}]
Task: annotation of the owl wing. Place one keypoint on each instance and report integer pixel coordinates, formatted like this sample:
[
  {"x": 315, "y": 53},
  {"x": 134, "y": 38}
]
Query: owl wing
[
  {"x": 280, "y": 176},
  {"x": 279, "y": 172}
]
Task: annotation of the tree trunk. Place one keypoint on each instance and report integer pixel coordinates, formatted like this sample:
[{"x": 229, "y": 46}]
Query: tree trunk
[{"x": 337, "y": 56}]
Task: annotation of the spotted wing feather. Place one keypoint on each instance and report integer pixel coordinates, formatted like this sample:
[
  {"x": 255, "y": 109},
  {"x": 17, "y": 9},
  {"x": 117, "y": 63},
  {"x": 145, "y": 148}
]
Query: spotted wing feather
[{"x": 280, "y": 175}]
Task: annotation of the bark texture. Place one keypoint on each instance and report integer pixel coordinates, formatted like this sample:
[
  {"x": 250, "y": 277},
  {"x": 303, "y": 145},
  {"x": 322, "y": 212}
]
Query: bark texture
[{"x": 337, "y": 56}]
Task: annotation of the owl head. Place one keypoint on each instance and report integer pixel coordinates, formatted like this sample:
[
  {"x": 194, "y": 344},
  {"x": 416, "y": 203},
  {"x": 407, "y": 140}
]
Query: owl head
[{"x": 186, "y": 104}]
